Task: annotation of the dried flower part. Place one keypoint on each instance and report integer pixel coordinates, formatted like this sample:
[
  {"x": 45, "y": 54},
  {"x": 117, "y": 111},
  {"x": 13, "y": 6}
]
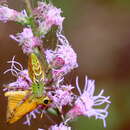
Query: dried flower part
[
  {"x": 61, "y": 126},
  {"x": 27, "y": 40},
  {"x": 7, "y": 14},
  {"x": 46, "y": 16},
  {"x": 57, "y": 62},
  {"x": 86, "y": 103}
]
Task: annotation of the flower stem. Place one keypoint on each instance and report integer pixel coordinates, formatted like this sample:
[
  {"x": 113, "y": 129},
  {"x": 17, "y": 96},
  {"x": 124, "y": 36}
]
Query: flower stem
[
  {"x": 28, "y": 6},
  {"x": 29, "y": 9}
]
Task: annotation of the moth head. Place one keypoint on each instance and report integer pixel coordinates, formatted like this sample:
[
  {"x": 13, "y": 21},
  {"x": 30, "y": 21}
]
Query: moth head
[{"x": 46, "y": 101}]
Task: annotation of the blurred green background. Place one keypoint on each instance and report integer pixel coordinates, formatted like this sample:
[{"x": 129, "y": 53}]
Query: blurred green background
[{"x": 99, "y": 32}]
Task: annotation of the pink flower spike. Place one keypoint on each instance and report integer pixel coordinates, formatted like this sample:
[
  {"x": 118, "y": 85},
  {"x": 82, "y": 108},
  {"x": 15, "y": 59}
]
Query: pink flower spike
[
  {"x": 62, "y": 96},
  {"x": 65, "y": 52},
  {"x": 46, "y": 16},
  {"x": 27, "y": 40},
  {"x": 61, "y": 126},
  {"x": 86, "y": 103}
]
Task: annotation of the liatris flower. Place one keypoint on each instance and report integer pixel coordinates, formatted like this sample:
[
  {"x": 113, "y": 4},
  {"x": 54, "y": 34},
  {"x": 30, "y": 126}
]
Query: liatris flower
[
  {"x": 27, "y": 40},
  {"x": 61, "y": 126},
  {"x": 46, "y": 16},
  {"x": 30, "y": 116},
  {"x": 23, "y": 82},
  {"x": 63, "y": 59},
  {"x": 86, "y": 103},
  {"x": 62, "y": 96},
  {"x": 7, "y": 14}
]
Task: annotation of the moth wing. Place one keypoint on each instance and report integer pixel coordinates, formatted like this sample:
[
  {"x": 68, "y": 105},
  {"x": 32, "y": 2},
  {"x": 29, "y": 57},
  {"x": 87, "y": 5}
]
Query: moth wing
[
  {"x": 22, "y": 110},
  {"x": 15, "y": 110},
  {"x": 14, "y": 97}
]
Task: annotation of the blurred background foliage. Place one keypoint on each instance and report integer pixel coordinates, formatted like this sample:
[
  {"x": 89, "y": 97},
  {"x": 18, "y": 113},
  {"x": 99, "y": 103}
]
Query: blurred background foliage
[{"x": 99, "y": 32}]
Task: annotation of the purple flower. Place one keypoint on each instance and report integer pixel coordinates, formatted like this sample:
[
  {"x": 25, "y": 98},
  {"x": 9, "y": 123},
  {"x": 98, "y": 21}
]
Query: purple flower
[
  {"x": 46, "y": 16},
  {"x": 30, "y": 116},
  {"x": 27, "y": 40},
  {"x": 67, "y": 56},
  {"x": 7, "y": 14},
  {"x": 23, "y": 81},
  {"x": 61, "y": 96},
  {"x": 86, "y": 103},
  {"x": 61, "y": 126}
]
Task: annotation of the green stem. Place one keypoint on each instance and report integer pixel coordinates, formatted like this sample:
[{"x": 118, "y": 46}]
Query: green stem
[{"x": 29, "y": 11}]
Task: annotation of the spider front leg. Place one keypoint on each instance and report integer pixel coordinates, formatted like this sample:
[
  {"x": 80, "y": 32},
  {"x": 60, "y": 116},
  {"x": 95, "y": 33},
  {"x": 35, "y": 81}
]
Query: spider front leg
[{"x": 13, "y": 88}]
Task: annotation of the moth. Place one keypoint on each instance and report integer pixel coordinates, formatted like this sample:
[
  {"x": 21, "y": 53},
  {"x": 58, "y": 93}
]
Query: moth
[{"x": 22, "y": 102}]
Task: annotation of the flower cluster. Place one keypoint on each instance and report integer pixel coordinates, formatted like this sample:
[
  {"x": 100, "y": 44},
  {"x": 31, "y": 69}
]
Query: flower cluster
[
  {"x": 7, "y": 14},
  {"x": 86, "y": 103},
  {"x": 46, "y": 16},
  {"x": 23, "y": 82},
  {"x": 62, "y": 95},
  {"x": 63, "y": 59},
  {"x": 27, "y": 40},
  {"x": 43, "y": 80},
  {"x": 60, "y": 127}
]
